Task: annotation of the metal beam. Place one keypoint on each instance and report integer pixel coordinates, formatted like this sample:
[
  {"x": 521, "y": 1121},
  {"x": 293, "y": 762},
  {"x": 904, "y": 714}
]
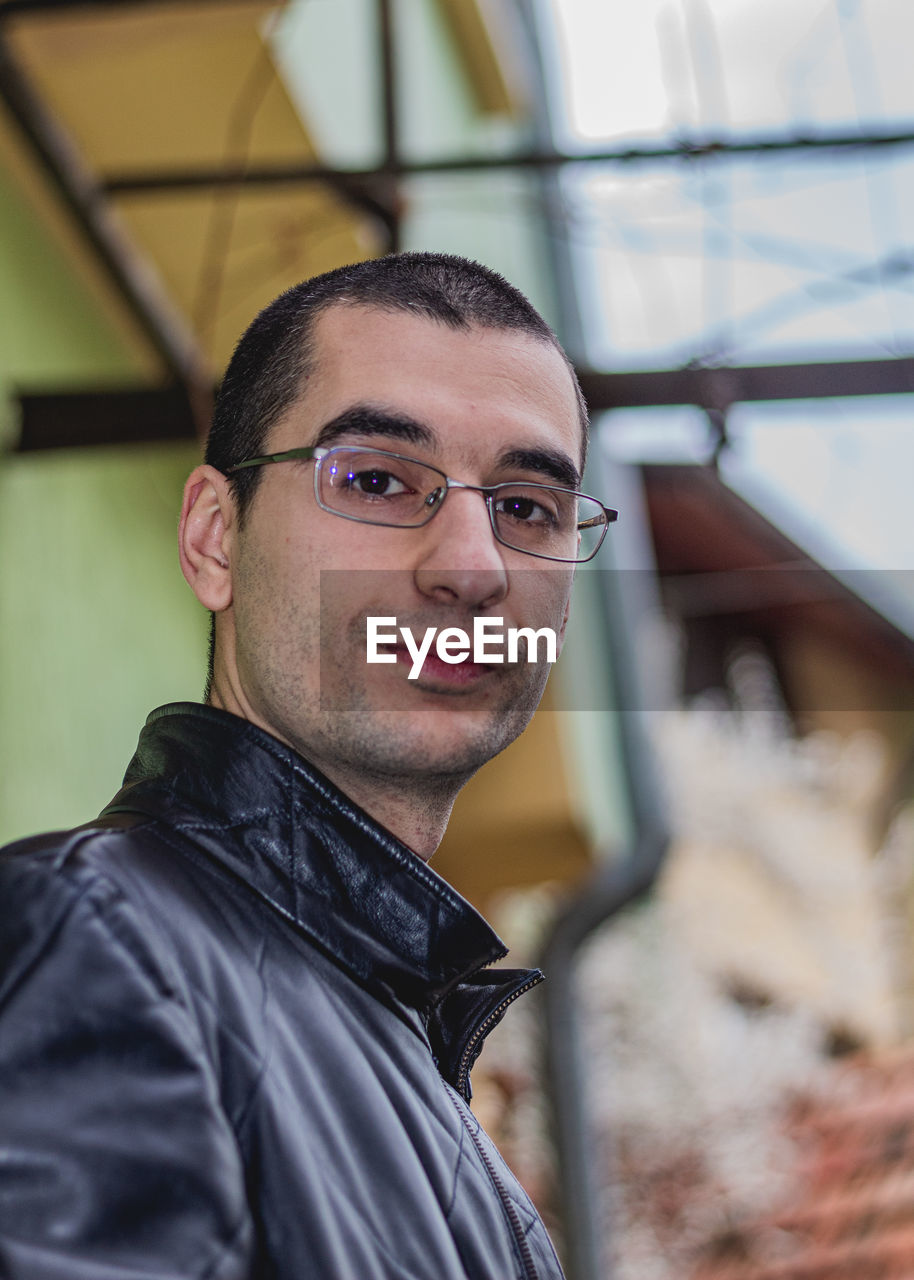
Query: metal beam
[
  {"x": 387, "y": 56},
  {"x": 19, "y": 8},
  {"x": 137, "y": 181},
  {"x": 88, "y": 207},
  {"x": 719, "y": 388},
  {"x": 365, "y": 195},
  {"x": 130, "y": 416},
  {"x": 73, "y": 418}
]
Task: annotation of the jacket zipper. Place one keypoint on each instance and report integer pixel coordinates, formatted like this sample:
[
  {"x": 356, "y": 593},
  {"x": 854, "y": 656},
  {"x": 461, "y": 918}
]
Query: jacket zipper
[
  {"x": 529, "y": 1271},
  {"x": 466, "y": 1058}
]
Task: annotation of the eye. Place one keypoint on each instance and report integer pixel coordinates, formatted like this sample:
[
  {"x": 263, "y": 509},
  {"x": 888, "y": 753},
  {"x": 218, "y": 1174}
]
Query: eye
[
  {"x": 375, "y": 483},
  {"x": 525, "y": 509}
]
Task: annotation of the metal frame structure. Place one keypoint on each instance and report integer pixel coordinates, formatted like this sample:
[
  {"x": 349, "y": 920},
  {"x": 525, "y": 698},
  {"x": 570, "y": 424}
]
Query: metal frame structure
[
  {"x": 87, "y": 204},
  {"x": 687, "y": 149},
  {"x": 375, "y": 190}
]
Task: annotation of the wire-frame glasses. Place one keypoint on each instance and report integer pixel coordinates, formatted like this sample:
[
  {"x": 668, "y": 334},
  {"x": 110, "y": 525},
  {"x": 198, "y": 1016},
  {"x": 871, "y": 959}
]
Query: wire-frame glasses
[{"x": 374, "y": 486}]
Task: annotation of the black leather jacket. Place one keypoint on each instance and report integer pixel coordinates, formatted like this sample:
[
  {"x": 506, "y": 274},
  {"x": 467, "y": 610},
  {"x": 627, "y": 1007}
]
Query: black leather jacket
[{"x": 237, "y": 1020}]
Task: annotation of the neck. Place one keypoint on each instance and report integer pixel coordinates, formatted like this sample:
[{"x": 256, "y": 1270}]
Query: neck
[
  {"x": 416, "y": 813},
  {"x": 381, "y": 766},
  {"x": 414, "y": 809}
]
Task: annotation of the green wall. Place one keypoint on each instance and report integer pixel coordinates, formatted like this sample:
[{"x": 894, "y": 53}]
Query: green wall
[
  {"x": 52, "y": 334},
  {"x": 97, "y": 625}
]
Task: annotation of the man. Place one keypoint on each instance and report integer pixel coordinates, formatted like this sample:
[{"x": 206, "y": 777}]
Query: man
[{"x": 238, "y": 1011}]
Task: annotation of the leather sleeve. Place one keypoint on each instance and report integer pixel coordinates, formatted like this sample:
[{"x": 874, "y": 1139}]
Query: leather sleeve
[{"x": 116, "y": 1160}]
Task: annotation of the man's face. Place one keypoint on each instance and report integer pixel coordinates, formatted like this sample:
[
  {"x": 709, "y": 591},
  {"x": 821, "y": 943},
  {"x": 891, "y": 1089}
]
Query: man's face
[{"x": 482, "y": 405}]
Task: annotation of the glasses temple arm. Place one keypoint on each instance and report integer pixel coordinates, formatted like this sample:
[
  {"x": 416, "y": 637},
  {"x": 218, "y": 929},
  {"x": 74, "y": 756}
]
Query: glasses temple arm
[
  {"x": 606, "y": 516},
  {"x": 286, "y": 455}
]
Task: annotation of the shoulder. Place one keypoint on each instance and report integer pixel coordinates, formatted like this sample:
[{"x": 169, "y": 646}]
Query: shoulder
[
  {"x": 116, "y": 927},
  {"x": 62, "y": 902},
  {"x": 142, "y": 879},
  {"x": 100, "y": 1053},
  {"x": 45, "y": 878},
  {"x": 138, "y": 889},
  {"x": 134, "y": 916}
]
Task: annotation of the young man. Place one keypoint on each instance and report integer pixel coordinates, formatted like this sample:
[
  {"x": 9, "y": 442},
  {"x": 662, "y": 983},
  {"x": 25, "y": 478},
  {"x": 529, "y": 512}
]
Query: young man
[{"x": 238, "y": 1011}]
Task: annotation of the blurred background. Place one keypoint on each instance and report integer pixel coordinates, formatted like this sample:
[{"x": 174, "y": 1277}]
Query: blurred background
[{"x": 707, "y": 834}]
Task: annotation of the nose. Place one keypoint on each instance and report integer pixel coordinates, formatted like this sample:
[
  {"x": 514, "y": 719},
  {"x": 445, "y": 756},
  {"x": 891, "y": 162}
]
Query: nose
[{"x": 461, "y": 562}]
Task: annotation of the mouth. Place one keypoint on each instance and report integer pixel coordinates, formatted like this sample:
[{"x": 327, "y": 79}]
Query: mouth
[
  {"x": 451, "y": 659},
  {"x": 450, "y": 675}
]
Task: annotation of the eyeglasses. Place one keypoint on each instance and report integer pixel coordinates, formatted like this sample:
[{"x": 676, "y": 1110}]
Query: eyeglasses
[{"x": 373, "y": 486}]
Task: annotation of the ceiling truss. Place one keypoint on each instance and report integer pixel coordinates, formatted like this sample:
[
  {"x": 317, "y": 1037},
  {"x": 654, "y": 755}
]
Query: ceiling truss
[{"x": 375, "y": 190}]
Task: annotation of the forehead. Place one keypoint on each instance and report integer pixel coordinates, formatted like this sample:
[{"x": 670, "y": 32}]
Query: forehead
[{"x": 470, "y": 386}]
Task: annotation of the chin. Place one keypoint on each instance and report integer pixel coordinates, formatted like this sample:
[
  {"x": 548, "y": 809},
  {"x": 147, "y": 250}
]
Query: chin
[{"x": 437, "y": 744}]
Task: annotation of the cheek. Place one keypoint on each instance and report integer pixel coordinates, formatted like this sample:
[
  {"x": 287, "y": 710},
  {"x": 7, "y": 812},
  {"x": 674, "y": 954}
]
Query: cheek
[
  {"x": 547, "y": 595},
  {"x": 273, "y": 593},
  {"x": 556, "y": 605}
]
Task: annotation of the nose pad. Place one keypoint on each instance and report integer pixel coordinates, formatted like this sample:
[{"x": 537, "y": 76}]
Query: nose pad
[{"x": 434, "y": 499}]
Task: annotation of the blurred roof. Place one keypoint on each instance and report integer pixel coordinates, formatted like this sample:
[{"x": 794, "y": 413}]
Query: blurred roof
[{"x": 719, "y": 557}]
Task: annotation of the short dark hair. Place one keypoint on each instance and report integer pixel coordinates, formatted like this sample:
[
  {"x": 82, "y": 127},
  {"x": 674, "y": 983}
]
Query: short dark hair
[{"x": 267, "y": 371}]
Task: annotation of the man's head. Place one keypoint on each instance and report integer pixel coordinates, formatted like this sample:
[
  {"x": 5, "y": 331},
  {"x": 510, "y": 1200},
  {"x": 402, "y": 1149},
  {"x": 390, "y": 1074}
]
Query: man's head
[
  {"x": 420, "y": 354},
  {"x": 271, "y": 363}
]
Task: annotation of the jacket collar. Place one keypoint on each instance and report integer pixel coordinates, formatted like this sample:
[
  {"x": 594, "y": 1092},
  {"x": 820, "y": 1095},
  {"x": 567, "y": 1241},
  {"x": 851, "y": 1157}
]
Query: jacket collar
[{"x": 257, "y": 807}]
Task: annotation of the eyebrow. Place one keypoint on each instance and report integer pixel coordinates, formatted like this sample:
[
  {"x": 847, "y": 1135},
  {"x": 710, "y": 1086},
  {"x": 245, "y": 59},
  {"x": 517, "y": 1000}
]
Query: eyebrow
[
  {"x": 369, "y": 420},
  {"x": 547, "y": 462},
  {"x": 372, "y": 420}
]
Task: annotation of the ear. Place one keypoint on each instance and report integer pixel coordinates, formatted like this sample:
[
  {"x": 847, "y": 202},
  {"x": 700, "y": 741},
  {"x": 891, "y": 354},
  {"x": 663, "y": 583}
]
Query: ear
[{"x": 204, "y": 537}]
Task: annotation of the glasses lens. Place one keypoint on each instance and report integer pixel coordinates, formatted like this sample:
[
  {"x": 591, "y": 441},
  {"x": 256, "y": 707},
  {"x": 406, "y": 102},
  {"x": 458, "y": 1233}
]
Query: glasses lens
[
  {"x": 379, "y": 488},
  {"x": 548, "y": 522},
  {"x": 592, "y": 526}
]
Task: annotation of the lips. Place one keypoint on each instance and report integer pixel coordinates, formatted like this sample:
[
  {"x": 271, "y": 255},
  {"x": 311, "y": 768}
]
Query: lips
[
  {"x": 391, "y": 640},
  {"x": 452, "y": 673}
]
